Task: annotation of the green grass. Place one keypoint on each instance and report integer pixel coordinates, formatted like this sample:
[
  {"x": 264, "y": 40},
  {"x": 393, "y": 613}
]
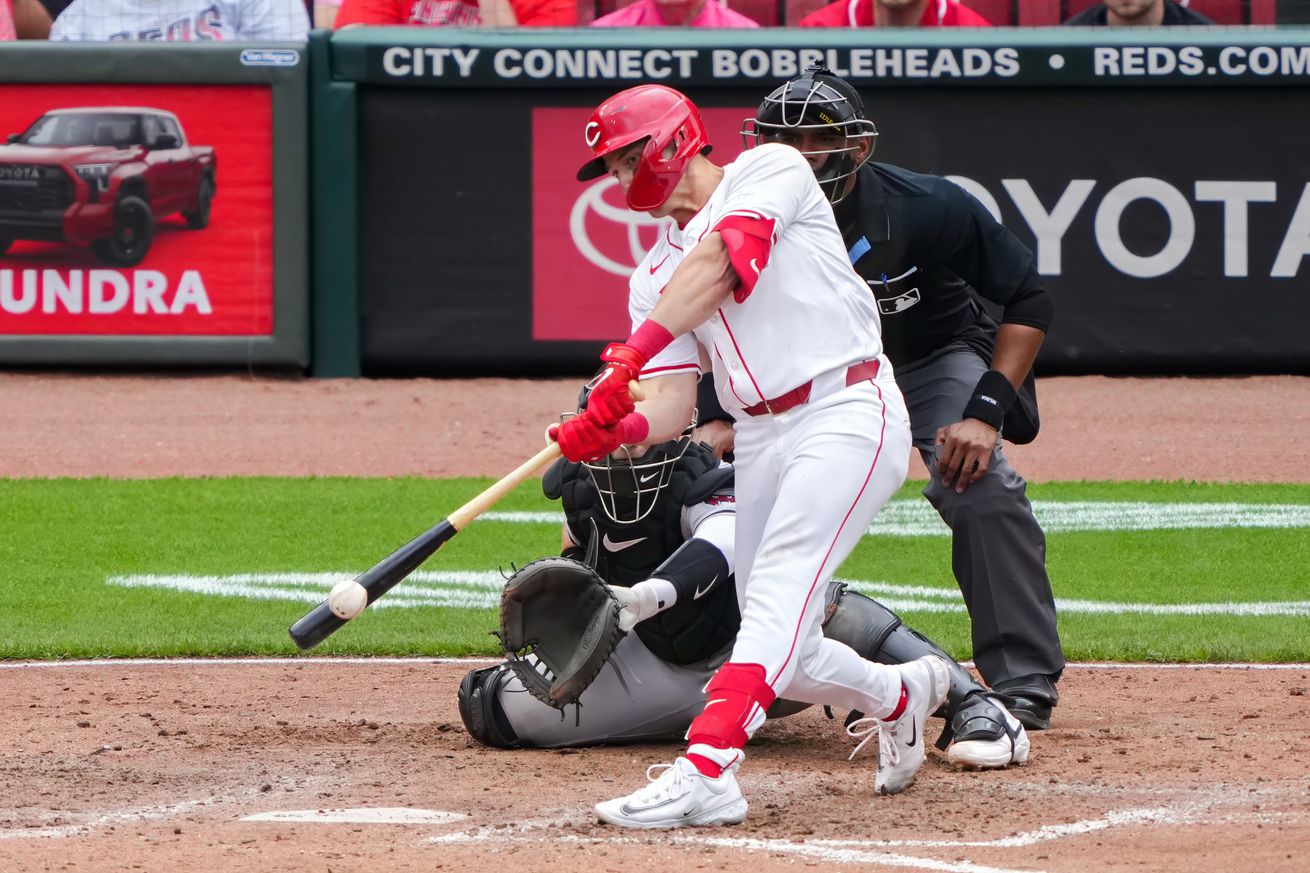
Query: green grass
[{"x": 63, "y": 538}]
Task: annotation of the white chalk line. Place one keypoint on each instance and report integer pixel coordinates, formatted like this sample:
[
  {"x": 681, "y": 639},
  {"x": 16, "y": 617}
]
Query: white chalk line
[
  {"x": 480, "y": 589},
  {"x": 917, "y": 518},
  {"x": 359, "y": 815},
  {"x": 784, "y": 847},
  {"x": 95, "y": 821},
  {"x": 874, "y": 852},
  {"x": 386, "y": 660}
]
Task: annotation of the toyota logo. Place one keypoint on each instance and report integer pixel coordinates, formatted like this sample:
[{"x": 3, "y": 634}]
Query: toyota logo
[{"x": 641, "y": 230}]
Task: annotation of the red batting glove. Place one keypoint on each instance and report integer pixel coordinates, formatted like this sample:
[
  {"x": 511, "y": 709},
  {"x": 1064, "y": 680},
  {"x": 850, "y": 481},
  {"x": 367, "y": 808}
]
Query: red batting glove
[
  {"x": 610, "y": 398},
  {"x": 581, "y": 439}
]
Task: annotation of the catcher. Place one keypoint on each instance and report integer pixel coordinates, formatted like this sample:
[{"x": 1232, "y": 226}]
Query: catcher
[{"x": 658, "y": 527}]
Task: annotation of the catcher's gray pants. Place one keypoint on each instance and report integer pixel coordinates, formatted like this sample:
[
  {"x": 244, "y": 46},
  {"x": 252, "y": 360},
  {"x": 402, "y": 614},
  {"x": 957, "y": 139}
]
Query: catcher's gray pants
[
  {"x": 636, "y": 697},
  {"x": 998, "y": 549}
]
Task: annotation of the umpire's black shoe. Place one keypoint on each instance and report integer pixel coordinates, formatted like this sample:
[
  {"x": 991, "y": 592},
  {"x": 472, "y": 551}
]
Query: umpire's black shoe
[{"x": 1031, "y": 699}]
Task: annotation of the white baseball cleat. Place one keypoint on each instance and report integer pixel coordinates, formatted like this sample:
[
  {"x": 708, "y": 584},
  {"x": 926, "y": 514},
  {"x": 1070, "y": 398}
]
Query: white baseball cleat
[
  {"x": 997, "y": 739},
  {"x": 679, "y": 797},
  {"x": 900, "y": 743}
]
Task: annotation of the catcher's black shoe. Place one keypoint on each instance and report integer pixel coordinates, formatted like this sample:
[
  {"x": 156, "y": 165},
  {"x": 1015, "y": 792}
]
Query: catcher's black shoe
[{"x": 1031, "y": 699}]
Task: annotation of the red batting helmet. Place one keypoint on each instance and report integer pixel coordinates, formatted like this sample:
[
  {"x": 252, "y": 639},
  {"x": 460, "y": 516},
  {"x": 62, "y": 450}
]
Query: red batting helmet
[{"x": 658, "y": 114}]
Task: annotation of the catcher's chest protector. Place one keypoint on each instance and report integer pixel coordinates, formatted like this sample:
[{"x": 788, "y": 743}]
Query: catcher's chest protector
[{"x": 692, "y": 630}]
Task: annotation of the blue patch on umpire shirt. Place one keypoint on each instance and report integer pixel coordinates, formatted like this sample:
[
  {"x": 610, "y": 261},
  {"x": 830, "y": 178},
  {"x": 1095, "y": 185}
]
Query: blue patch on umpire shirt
[{"x": 860, "y": 249}]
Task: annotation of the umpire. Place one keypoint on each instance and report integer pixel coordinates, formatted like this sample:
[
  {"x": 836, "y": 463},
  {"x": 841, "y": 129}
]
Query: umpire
[{"x": 928, "y": 251}]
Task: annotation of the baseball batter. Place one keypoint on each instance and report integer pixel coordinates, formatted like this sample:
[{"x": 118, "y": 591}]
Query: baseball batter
[
  {"x": 754, "y": 281},
  {"x": 927, "y": 251},
  {"x": 659, "y": 528}
]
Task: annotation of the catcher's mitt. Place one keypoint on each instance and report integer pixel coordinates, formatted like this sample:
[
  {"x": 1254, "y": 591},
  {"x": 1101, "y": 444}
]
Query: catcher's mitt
[{"x": 558, "y": 625}]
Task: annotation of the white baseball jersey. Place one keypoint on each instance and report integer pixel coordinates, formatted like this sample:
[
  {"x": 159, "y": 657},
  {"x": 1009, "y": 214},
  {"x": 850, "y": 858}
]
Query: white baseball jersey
[
  {"x": 183, "y": 20},
  {"x": 807, "y": 312}
]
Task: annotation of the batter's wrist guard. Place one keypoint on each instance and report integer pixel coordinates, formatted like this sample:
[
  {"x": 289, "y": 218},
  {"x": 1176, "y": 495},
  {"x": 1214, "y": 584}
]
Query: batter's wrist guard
[
  {"x": 646, "y": 342},
  {"x": 992, "y": 398}
]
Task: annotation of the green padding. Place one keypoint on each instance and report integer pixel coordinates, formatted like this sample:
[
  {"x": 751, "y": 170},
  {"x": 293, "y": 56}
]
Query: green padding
[
  {"x": 931, "y": 58},
  {"x": 334, "y": 207}
]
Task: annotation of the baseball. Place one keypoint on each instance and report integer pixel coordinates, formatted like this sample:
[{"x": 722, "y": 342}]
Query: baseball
[{"x": 347, "y": 599}]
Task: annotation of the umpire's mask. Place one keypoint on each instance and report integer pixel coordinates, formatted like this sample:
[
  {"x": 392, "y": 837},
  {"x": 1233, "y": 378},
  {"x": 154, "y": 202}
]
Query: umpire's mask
[
  {"x": 816, "y": 102},
  {"x": 628, "y": 486}
]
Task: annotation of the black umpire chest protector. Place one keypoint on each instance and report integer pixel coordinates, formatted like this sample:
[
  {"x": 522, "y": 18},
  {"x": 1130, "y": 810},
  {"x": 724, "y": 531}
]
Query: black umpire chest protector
[{"x": 692, "y": 630}]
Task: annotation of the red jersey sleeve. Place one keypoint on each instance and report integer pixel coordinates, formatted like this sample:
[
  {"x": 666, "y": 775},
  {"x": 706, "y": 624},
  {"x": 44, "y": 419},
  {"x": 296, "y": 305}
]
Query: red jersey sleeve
[
  {"x": 832, "y": 15},
  {"x": 958, "y": 15},
  {"x": 372, "y": 12},
  {"x": 545, "y": 13}
]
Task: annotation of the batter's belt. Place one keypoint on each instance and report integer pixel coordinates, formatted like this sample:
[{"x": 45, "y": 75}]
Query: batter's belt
[{"x": 864, "y": 371}]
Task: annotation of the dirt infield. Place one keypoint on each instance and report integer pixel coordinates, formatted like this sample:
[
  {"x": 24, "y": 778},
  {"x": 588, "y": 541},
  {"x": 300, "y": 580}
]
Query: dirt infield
[
  {"x": 1210, "y": 430},
  {"x": 140, "y": 766},
  {"x": 128, "y": 767}
]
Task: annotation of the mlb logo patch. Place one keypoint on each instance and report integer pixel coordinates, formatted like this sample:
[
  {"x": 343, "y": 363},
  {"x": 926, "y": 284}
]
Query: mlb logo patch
[{"x": 900, "y": 303}]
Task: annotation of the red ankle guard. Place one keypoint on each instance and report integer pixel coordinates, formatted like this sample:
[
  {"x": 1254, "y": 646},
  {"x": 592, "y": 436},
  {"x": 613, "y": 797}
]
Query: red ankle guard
[{"x": 733, "y": 694}]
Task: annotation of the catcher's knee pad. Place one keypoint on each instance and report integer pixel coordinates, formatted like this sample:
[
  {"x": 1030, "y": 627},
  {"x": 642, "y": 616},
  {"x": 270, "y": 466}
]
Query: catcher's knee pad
[
  {"x": 479, "y": 707},
  {"x": 729, "y": 709},
  {"x": 860, "y": 622},
  {"x": 877, "y": 634}
]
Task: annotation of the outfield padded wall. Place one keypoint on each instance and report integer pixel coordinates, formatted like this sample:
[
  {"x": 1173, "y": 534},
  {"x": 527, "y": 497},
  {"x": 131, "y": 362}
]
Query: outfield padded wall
[{"x": 1159, "y": 177}]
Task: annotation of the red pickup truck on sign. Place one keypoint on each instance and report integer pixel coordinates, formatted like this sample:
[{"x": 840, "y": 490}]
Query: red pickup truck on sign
[{"x": 102, "y": 176}]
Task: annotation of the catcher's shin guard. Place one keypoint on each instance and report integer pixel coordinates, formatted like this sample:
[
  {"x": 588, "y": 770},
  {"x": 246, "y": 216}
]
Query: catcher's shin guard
[
  {"x": 479, "y": 707},
  {"x": 878, "y": 634}
]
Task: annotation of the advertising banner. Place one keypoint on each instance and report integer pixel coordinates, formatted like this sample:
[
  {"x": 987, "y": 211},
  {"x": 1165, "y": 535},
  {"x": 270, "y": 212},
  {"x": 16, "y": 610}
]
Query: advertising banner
[
  {"x": 1176, "y": 248},
  {"x": 136, "y": 210},
  {"x": 968, "y": 58},
  {"x": 1172, "y": 225}
]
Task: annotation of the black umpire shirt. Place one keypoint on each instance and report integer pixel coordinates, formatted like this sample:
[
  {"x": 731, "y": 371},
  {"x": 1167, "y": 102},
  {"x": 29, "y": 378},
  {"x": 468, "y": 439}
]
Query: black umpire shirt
[{"x": 925, "y": 246}]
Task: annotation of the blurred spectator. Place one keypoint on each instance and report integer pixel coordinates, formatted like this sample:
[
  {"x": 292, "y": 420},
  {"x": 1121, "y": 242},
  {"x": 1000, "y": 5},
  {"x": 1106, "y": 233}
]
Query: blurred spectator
[
  {"x": 1137, "y": 13},
  {"x": 460, "y": 13},
  {"x": 675, "y": 13},
  {"x": 183, "y": 20},
  {"x": 894, "y": 13},
  {"x": 325, "y": 13},
  {"x": 31, "y": 19},
  {"x": 7, "y": 31}
]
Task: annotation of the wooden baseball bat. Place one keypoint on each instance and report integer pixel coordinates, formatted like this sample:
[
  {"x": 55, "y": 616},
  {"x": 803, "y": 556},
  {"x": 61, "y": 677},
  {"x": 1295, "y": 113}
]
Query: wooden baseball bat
[{"x": 321, "y": 622}]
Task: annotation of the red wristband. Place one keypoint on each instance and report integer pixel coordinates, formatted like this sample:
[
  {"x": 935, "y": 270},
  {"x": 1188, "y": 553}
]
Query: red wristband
[
  {"x": 634, "y": 428},
  {"x": 649, "y": 340}
]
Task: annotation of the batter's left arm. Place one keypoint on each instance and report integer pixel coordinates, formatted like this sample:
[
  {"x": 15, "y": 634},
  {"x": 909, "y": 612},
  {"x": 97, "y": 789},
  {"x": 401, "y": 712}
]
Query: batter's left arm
[
  {"x": 669, "y": 405},
  {"x": 698, "y": 287}
]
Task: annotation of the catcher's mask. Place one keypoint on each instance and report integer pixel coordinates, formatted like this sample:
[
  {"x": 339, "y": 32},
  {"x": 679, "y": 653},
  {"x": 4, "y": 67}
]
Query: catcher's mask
[
  {"x": 674, "y": 133},
  {"x": 628, "y": 486},
  {"x": 816, "y": 101}
]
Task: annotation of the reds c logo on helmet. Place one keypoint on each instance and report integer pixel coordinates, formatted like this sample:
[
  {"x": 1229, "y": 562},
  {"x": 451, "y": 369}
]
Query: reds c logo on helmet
[{"x": 663, "y": 117}]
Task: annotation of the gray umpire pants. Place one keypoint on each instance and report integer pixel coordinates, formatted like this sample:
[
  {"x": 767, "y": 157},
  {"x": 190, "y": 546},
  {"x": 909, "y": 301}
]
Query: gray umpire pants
[
  {"x": 636, "y": 698},
  {"x": 998, "y": 549}
]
